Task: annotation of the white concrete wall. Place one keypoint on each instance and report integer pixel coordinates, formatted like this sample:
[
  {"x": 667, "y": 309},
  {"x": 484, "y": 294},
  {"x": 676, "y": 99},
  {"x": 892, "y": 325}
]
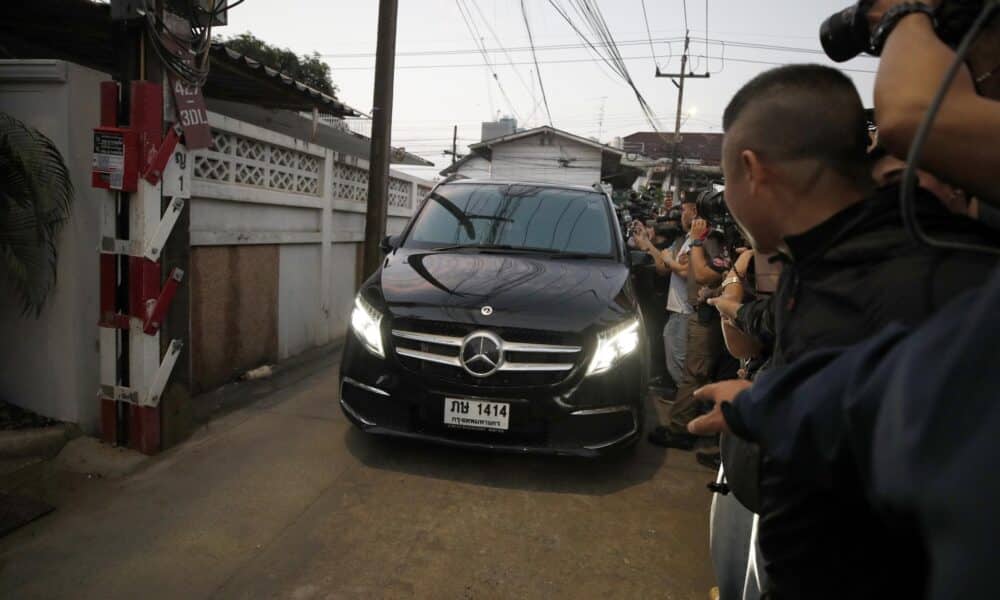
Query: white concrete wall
[
  {"x": 300, "y": 299},
  {"x": 50, "y": 364},
  {"x": 318, "y": 233},
  {"x": 476, "y": 167},
  {"x": 537, "y": 158}
]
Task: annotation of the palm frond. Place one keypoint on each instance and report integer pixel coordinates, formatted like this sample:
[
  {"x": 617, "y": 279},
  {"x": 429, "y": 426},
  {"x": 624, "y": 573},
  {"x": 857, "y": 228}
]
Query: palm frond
[{"x": 36, "y": 195}]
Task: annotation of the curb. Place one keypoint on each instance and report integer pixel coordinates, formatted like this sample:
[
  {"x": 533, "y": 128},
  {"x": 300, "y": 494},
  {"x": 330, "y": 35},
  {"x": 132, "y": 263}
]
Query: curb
[
  {"x": 241, "y": 394},
  {"x": 42, "y": 442}
]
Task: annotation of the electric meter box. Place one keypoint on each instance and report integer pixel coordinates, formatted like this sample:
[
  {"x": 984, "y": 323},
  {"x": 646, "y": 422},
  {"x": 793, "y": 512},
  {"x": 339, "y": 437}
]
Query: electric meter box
[{"x": 116, "y": 159}]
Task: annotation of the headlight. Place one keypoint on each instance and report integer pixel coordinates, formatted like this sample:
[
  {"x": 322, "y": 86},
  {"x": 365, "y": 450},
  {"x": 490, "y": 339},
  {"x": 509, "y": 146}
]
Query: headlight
[
  {"x": 366, "y": 321},
  {"x": 613, "y": 345}
]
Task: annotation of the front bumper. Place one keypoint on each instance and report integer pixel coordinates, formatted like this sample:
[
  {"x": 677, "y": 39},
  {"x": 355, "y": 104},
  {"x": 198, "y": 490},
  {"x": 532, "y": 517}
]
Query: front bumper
[{"x": 583, "y": 416}]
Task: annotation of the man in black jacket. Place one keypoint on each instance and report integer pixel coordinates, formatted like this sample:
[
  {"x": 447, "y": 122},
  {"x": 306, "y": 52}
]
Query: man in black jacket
[{"x": 798, "y": 181}]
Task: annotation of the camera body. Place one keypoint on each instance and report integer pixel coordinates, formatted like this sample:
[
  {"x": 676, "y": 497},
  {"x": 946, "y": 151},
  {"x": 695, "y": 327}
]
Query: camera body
[{"x": 846, "y": 34}]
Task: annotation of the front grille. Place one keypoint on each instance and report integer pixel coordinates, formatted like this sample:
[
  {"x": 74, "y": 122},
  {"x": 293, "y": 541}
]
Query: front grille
[{"x": 529, "y": 358}]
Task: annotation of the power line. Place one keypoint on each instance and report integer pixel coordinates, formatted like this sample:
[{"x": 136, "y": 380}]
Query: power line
[
  {"x": 538, "y": 72},
  {"x": 510, "y": 59},
  {"x": 576, "y": 46},
  {"x": 478, "y": 41},
  {"x": 645, "y": 17},
  {"x": 580, "y": 60}
]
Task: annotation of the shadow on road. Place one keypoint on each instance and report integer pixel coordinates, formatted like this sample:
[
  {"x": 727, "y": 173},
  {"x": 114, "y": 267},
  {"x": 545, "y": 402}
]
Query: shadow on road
[{"x": 553, "y": 474}]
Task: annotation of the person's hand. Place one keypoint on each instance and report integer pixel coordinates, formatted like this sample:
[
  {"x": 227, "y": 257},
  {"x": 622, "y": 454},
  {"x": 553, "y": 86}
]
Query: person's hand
[
  {"x": 880, "y": 7},
  {"x": 704, "y": 293},
  {"x": 699, "y": 227},
  {"x": 717, "y": 393},
  {"x": 726, "y": 307}
]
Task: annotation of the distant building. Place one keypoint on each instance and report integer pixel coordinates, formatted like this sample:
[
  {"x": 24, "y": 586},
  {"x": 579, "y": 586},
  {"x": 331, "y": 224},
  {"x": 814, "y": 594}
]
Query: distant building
[
  {"x": 694, "y": 149},
  {"x": 494, "y": 129},
  {"x": 699, "y": 157},
  {"x": 544, "y": 155}
]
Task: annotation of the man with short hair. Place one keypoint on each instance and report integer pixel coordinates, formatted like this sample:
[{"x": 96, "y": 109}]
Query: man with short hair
[
  {"x": 673, "y": 263},
  {"x": 798, "y": 181}
]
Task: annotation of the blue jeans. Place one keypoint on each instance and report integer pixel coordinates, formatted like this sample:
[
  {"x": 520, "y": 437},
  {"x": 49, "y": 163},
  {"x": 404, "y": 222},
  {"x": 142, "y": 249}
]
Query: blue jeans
[{"x": 675, "y": 344}]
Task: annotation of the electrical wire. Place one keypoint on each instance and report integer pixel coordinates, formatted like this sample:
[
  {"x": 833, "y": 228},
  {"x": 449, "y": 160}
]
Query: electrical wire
[
  {"x": 510, "y": 59},
  {"x": 645, "y": 18},
  {"x": 538, "y": 72},
  {"x": 574, "y": 46},
  {"x": 586, "y": 60},
  {"x": 185, "y": 53},
  {"x": 907, "y": 195},
  {"x": 470, "y": 25}
]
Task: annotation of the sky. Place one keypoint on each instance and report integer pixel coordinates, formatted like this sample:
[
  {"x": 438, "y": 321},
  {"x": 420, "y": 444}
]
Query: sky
[{"x": 441, "y": 80}]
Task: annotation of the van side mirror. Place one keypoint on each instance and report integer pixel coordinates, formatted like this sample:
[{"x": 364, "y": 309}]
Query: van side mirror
[
  {"x": 638, "y": 258},
  {"x": 389, "y": 243}
]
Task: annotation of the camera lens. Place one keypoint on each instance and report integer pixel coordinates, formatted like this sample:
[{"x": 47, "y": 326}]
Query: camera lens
[{"x": 844, "y": 35}]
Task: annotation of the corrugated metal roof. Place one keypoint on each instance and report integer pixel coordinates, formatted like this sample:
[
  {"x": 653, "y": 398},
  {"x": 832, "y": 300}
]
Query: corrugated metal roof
[{"x": 222, "y": 53}]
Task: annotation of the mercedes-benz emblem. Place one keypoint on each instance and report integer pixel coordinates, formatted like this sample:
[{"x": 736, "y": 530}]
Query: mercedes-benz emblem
[
  {"x": 486, "y": 310},
  {"x": 482, "y": 353}
]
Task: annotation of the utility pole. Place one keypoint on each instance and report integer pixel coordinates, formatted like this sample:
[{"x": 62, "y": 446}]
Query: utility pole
[
  {"x": 455, "y": 156},
  {"x": 378, "y": 173},
  {"x": 674, "y": 175}
]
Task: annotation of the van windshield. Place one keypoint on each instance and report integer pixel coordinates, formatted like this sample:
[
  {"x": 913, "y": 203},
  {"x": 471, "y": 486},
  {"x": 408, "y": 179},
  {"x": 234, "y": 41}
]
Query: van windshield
[{"x": 514, "y": 217}]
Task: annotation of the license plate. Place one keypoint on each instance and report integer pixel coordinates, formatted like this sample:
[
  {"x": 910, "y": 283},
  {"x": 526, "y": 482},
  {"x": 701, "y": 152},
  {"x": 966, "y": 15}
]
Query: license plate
[{"x": 477, "y": 414}]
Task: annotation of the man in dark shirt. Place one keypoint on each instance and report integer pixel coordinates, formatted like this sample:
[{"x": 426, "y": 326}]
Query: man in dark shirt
[{"x": 798, "y": 180}]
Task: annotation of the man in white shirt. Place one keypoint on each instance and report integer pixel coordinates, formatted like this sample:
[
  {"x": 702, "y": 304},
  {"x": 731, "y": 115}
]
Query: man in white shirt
[{"x": 673, "y": 262}]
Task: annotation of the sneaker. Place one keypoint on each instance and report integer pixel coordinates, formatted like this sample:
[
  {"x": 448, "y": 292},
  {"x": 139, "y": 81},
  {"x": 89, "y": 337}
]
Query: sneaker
[{"x": 661, "y": 436}]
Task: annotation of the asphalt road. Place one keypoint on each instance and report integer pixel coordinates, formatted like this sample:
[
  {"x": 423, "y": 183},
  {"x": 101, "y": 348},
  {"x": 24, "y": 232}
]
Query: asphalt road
[{"x": 284, "y": 499}]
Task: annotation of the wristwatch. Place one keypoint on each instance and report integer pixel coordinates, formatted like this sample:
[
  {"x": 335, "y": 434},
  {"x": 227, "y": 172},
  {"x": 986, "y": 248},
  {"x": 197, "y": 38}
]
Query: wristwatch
[
  {"x": 892, "y": 17},
  {"x": 697, "y": 243}
]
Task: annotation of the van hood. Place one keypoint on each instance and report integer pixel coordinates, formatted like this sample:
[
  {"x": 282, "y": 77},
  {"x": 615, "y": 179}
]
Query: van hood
[{"x": 524, "y": 291}]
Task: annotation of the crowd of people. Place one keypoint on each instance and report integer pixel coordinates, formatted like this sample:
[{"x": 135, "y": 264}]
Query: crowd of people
[{"x": 844, "y": 355}]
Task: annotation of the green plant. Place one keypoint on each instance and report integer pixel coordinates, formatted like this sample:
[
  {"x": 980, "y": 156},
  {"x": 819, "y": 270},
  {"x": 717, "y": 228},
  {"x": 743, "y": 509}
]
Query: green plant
[
  {"x": 310, "y": 69},
  {"x": 36, "y": 195}
]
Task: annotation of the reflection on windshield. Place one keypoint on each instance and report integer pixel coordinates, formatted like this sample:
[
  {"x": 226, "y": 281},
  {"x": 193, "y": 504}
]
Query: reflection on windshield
[{"x": 514, "y": 217}]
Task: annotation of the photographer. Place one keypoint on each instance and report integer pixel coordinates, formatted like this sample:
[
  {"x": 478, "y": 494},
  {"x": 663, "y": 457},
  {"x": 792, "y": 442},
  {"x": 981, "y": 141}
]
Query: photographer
[
  {"x": 708, "y": 261},
  {"x": 881, "y": 418},
  {"x": 672, "y": 263},
  {"x": 914, "y": 61},
  {"x": 798, "y": 181},
  {"x": 652, "y": 288}
]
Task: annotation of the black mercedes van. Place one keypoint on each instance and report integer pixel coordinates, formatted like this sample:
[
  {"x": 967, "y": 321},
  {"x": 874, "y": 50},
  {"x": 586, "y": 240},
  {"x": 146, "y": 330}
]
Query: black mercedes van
[{"x": 503, "y": 317}]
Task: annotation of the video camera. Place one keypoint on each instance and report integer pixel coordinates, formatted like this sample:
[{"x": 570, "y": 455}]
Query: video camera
[
  {"x": 712, "y": 207},
  {"x": 847, "y": 34},
  {"x": 669, "y": 226}
]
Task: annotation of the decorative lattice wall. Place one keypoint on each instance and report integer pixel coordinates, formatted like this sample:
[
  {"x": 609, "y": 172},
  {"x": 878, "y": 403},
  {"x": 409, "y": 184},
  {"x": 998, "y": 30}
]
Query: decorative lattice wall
[
  {"x": 350, "y": 182},
  {"x": 244, "y": 161}
]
